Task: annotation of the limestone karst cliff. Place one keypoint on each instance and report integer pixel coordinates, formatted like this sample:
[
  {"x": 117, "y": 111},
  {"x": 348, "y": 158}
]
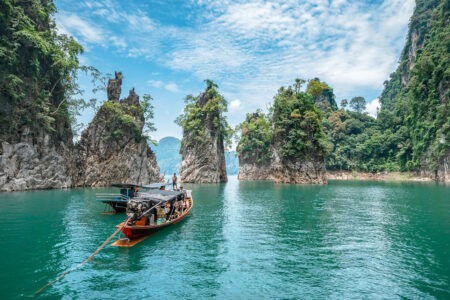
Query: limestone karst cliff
[
  {"x": 289, "y": 147},
  {"x": 112, "y": 148},
  {"x": 255, "y": 148},
  {"x": 204, "y": 132},
  {"x": 417, "y": 93},
  {"x": 35, "y": 162},
  {"x": 36, "y": 78}
]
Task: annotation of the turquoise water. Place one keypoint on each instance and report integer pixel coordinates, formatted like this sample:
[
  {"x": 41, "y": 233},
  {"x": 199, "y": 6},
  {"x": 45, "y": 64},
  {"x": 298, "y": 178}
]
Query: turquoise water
[{"x": 243, "y": 240}]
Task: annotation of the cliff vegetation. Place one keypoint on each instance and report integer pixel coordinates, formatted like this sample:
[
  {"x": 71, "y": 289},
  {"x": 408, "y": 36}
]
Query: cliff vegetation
[
  {"x": 38, "y": 71},
  {"x": 206, "y": 133}
]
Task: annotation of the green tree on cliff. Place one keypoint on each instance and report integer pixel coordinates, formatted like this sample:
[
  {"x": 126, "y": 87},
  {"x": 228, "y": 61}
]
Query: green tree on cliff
[
  {"x": 297, "y": 125},
  {"x": 415, "y": 101},
  {"x": 38, "y": 69},
  {"x": 206, "y": 111},
  {"x": 256, "y": 138},
  {"x": 358, "y": 104},
  {"x": 322, "y": 94}
]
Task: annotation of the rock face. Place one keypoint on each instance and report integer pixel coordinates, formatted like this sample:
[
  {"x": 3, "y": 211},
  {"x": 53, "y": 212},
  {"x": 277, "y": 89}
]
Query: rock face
[
  {"x": 112, "y": 148},
  {"x": 203, "y": 159},
  {"x": 298, "y": 171},
  {"x": 254, "y": 171},
  {"x": 289, "y": 171},
  {"x": 115, "y": 87},
  {"x": 418, "y": 91},
  {"x": 441, "y": 173},
  {"x": 204, "y": 163},
  {"x": 39, "y": 164}
]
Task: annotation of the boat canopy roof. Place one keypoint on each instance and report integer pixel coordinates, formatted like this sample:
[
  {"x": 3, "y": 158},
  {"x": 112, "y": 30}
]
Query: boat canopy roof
[
  {"x": 155, "y": 185},
  {"x": 125, "y": 185},
  {"x": 159, "y": 195}
]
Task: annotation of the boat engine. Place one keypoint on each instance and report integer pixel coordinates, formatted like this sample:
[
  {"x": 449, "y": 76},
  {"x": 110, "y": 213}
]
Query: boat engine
[{"x": 135, "y": 209}]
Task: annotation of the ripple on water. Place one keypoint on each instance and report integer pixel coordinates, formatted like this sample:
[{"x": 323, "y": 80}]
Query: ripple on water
[{"x": 243, "y": 240}]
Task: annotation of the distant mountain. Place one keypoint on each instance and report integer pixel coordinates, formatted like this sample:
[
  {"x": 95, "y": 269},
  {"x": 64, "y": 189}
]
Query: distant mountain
[
  {"x": 168, "y": 155},
  {"x": 232, "y": 163},
  {"x": 169, "y": 159}
]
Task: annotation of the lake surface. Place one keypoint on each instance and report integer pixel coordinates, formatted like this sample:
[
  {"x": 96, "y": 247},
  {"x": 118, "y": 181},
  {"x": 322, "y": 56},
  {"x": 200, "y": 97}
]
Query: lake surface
[{"x": 243, "y": 240}]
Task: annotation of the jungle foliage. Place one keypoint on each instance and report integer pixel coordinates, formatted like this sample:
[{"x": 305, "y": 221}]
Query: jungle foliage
[
  {"x": 203, "y": 116},
  {"x": 125, "y": 120},
  {"x": 415, "y": 101},
  {"x": 297, "y": 124},
  {"x": 256, "y": 138},
  {"x": 412, "y": 130},
  {"x": 297, "y": 129},
  {"x": 38, "y": 69}
]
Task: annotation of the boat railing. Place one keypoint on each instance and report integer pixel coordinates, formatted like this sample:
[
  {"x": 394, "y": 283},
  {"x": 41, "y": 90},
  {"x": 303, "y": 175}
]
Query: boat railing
[{"x": 111, "y": 197}]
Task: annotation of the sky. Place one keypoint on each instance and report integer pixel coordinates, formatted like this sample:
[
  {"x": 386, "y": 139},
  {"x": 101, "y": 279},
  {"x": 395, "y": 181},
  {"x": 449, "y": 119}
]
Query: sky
[{"x": 167, "y": 48}]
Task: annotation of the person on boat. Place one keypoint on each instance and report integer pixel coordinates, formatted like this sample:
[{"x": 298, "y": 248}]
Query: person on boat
[
  {"x": 161, "y": 215},
  {"x": 175, "y": 212},
  {"x": 153, "y": 216},
  {"x": 183, "y": 191},
  {"x": 167, "y": 210},
  {"x": 174, "y": 181}
]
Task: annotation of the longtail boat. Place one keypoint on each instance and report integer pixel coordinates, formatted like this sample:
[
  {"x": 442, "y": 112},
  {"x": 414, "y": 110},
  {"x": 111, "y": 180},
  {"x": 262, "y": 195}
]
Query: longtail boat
[
  {"x": 128, "y": 191},
  {"x": 151, "y": 212}
]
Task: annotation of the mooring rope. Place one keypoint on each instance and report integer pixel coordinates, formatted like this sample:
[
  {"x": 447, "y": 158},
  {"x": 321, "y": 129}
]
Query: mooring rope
[{"x": 83, "y": 262}]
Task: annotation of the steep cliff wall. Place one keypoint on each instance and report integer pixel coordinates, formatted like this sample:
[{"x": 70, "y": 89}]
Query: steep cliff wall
[
  {"x": 254, "y": 171},
  {"x": 37, "y": 72},
  {"x": 417, "y": 94},
  {"x": 308, "y": 170},
  {"x": 204, "y": 132},
  {"x": 112, "y": 148},
  {"x": 35, "y": 163}
]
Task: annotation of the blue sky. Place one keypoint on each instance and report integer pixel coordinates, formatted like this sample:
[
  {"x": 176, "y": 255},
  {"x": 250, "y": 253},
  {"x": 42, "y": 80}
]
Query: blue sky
[{"x": 249, "y": 48}]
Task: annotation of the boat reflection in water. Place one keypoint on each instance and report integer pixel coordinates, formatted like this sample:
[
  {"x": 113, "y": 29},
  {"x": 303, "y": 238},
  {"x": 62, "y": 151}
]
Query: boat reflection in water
[{"x": 152, "y": 211}]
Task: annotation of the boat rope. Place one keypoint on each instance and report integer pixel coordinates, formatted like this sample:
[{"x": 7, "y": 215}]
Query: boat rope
[{"x": 83, "y": 262}]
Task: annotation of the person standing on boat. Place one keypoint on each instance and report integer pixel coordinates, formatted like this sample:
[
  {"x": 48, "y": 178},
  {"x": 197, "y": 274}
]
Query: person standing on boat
[{"x": 174, "y": 181}]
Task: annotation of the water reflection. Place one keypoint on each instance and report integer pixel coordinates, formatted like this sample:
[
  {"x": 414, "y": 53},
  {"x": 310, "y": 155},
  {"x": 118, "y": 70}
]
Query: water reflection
[{"x": 242, "y": 240}]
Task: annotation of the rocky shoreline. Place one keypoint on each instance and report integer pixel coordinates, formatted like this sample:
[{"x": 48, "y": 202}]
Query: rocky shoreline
[{"x": 381, "y": 176}]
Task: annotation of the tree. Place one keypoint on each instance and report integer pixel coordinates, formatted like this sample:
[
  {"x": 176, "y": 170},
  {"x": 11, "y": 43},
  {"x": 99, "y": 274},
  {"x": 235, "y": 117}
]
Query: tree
[
  {"x": 358, "y": 104},
  {"x": 205, "y": 112},
  {"x": 38, "y": 72},
  {"x": 256, "y": 138},
  {"x": 322, "y": 94},
  {"x": 297, "y": 126},
  {"x": 344, "y": 103}
]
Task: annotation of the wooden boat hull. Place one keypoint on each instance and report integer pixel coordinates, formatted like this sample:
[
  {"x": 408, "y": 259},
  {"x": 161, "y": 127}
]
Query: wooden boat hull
[{"x": 136, "y": 233}]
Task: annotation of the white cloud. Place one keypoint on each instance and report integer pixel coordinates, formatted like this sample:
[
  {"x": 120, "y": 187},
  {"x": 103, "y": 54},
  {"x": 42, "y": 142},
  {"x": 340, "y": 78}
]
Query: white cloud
[
  {"x": 172, "y": 87},
  {"x": 118, "y": 42},
  {"x": 155, "y": 83},
  {"x": 373, "y": 107},
  {"x": 235, "y": 104},
  {"x": 252, "y": 47},
  {"x": 74, "y": 25}
]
